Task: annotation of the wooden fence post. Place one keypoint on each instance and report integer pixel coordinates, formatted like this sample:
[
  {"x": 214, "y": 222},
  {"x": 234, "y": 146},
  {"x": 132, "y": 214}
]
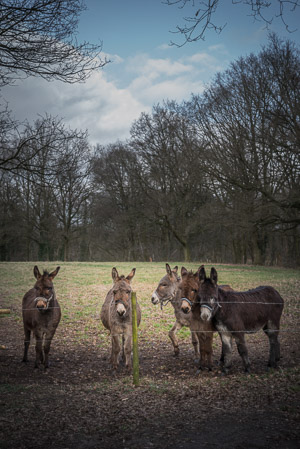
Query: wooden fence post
[{"x": 135, "y": 364}]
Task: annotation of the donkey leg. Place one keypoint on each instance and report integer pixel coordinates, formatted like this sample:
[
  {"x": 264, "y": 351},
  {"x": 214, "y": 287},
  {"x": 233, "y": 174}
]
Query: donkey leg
[
  {"x": 195, "y": 343},
  {"x": 115, "y": 351},
  {"x": 226, "y": 339},
  {"x": 127, "y": 350},
  {"x": 38, "y": 349},
  {"x": 122, "y": 358},
  {"x": 201, "y": 364},
  {"x": 205, "y": 343},
  {"x": 221, "y": 361},
  {"x": 209, "y": 350},
  {"x": 47, "y": 344},
  {"x": 26, "y": 344},
  {"x": 274, "y": 346},
  {"x": 172, "y": 334},
  {"x": 243, "y": 351}
]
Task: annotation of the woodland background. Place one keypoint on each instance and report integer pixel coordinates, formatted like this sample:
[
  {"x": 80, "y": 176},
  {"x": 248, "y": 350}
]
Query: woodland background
[{"x": 214, "y": 178}]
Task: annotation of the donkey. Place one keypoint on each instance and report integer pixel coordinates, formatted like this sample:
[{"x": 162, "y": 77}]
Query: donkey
[
  {"x": 202, "y": 330},
  {"x": 167, "y": 291},
  {"x": 41, "y": 315},
  {"x": 236, "y": 313},
  {"x": 116, "y": 316}
]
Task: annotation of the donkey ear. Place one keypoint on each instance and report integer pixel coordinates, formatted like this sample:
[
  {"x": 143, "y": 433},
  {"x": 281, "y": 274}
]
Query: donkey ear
[
  {"x": 36, "y": 272},
  {"x": 183, "y": 271},
  {"x": 202, "y": 274},
  {"x": 175, "y": 269},
  {"x": 54, "y": 273},
  {"x": 114, "y": 274},
  {"x": 131, "y": 274},
  {"x": 214, "y": 276},
  {"x": 198, "y": 271},
  {"x": 168, "y": 270}
]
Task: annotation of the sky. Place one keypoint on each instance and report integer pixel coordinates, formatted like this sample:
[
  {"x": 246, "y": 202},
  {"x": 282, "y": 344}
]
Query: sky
[{"x": 145, "y": 69}]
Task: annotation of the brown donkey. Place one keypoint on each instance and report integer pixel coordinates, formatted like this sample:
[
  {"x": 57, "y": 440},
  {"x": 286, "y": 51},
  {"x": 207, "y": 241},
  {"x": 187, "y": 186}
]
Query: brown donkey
[
  {"x": 41, "y": 315},
  {"x": 236, "y": 313},
  {"x": 203, "y": 330},
  {"x": 187, "y": 296},
  {"x": 167, "y": 291},
  {"x": 116, "y": 316}
]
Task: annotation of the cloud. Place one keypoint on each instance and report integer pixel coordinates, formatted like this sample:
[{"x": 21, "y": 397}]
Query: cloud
[
  {"x": 97, "y": 105},
  {"x": 164, "y": 47},
  {"x": 143, "y": 64},
  {"x": 104, "y": 108}
]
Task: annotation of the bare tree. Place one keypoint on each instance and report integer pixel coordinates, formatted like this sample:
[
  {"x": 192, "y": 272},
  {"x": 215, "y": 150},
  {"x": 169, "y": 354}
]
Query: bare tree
[
  {"x": 171, "y": 176},
  {"x": 37, "y": 38},
  {"x": 117, "y": 209},
  {"x": 72, "y": 188},
  {"x": 19, "y": 145},
  {"x": 249, "y": 117},
  {"x": 201, "y": 18}
]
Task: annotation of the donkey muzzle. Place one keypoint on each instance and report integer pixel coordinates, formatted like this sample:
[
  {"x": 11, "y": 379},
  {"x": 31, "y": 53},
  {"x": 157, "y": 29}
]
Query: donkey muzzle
[
  {"x": 154, "y": 298},
  {"x": 41, "y": 305},
  {"x": 186, "y": 305},
  {"x": 205, "y": 313},
  {"x": 121, "y": 309}
]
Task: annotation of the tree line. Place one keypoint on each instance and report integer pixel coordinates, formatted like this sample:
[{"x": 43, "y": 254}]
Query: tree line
[{"x": 214, "y": 178}]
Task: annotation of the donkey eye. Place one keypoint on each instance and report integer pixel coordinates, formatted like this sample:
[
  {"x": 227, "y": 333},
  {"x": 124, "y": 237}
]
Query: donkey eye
[
  {"x": 114, "y": 292},
  {"x": 128, "y": 291},
  {"x": 194, "y": 290}
]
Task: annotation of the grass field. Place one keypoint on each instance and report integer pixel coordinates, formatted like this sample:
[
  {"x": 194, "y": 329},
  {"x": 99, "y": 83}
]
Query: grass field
[
  {"x": 82, "y": 396},
  {"x": 81, "y": 288}
]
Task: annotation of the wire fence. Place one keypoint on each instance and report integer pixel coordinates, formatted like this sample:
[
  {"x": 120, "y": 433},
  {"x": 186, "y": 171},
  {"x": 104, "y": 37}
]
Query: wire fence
[{"x": 289, "y": 307}]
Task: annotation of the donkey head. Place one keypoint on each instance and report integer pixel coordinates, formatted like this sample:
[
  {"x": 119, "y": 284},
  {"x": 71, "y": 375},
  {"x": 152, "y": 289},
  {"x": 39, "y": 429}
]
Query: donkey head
[
  {"x": 44, "y": 287},
  {"x": 122, "y": 291},
  {"x": 167, "y": 286},
  {"x": 188, "y": 288},
  {"x": 208, "y": 293}
]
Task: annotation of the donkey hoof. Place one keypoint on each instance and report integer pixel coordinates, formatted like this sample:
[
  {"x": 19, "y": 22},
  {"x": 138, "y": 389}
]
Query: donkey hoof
[{"x": 199, "y": 370}]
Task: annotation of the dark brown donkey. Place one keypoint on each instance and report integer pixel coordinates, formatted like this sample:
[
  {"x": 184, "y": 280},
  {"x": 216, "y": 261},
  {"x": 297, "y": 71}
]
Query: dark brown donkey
[
  {"x": 116, "y": 316},
  {"x": 236, "y": 313},
  {"x": 41, "y": 315}
]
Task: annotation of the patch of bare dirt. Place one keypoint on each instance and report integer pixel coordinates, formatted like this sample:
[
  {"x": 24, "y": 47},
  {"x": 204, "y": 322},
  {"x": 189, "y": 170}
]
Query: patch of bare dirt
[{"x": 78, "y": 403}]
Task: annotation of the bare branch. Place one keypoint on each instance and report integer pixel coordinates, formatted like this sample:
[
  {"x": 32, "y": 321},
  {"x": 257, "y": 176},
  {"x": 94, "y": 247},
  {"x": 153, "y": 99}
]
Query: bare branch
[
  {"x": 201, "y": 18},
  {"x": 38, "y": 38}
]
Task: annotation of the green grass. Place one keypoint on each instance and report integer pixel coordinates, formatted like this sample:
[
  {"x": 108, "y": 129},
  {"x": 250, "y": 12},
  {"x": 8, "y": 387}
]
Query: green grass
[{"x": 81, "y": 288}]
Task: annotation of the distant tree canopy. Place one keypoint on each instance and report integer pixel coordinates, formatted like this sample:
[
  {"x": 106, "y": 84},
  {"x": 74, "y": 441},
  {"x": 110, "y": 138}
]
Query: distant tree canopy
[
  {"x": 201, "y": 16},
  {"x": 215, "y": 178}
]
